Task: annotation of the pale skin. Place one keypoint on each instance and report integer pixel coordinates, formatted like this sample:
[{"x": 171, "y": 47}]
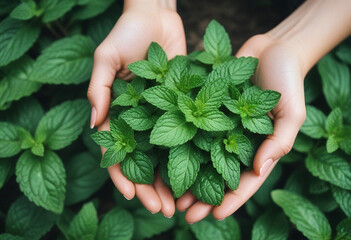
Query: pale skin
[{"x": 286, "y": 54}]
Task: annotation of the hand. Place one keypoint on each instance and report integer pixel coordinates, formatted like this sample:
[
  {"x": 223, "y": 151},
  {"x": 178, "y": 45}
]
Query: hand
[
  {"x": 141, "y": 23},
  {"x": 280, "y": 68}
]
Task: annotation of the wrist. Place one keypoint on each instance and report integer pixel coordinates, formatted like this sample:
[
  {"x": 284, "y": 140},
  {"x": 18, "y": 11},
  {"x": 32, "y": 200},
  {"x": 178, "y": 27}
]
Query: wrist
[{"x": 150, "y": 5}]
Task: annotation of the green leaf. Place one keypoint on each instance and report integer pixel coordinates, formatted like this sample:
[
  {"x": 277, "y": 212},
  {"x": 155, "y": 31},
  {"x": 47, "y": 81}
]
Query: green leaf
[
  {"x": 260, "y": 125},
  {"x": 139, "y": 118},
  {"x": 113, "y": 156},
  {"x": 210, "y": 228},
  {"x": 161, "y": 97},
  {"x": 212, "y": 94},
  {"x": 334, "y": 121},
  {"x": 126, "y": 99},
  {"x": 308, "y": 218},
  {"x": 8, "y": 236},
  {"x": 84, "y": 177},
  {"x": 143, "y": 69},
  {"x": 345, "y": 139},
  {"x": 211, "y": 120},
  {"x": 85, "y": 224},
  {"x": 27, "y": 220},
  {"x": 343, "y": 198},
  {"x": 42, "y": 179},
  {"x": 16, "y": 37},
  {"x": 344, "y": 230},
  {"x": 203, "y": 140},
  {"x": 103, "y": 138},
  {"x": 271, "y": 226},
  {"x": 206, "y": 58},
  {"x": 171, "y": 129},
  {"x": 24, "y": 11},
  {"x": 138, "y": 168},
  {"x": 183, "y": 167},
  {"x": 329, "y": 167},
  {"x": 147, "y": 225},
  {"x": 236, "y": 70},
  {"x": 217, "y": 42},
  {"x": 91, "y": 9},
  {"x": 343, "y": 52},
  {"x": 66, "y": 61},
  {"x": 303, "y": 143},
  {"x": 63, "y": 221},
  {"x": 260, "y": 101},
  {"x": 314, "y": 125},
  {"x": 335, "y": 81},
  {"x": 317, "y": 186},
  {"x": 332, "y": 144},
  {"x": 239, "y": 144},
  {"x": 38, "y": 149},
  {"x": 157, "y": 56},
  {"x": 208, "y": 186},
  {"x": 62, "y": 124},
  {"x": 226, "y": 164},
  {"x": 6, "y": 170},
  {"x": 11, "y": 137},
  {"x": 120, "y": 129},
  {"x": 57, "y": 10},
  {"x": 117, "y": 224}
]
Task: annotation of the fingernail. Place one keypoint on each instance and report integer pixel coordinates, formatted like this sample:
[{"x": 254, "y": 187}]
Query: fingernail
[
  {"x": 167, "y": 217},
  {"x": 221, "y": 219},
  {"x": 153, "y": 212},
  {"x": 93, "y": 118},
  {"x": 126, "y": 198},
  {"x": 265, "y": 167}
]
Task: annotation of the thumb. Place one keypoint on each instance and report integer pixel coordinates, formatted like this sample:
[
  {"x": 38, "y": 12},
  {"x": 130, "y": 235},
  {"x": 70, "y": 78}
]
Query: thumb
[
  {"x": 278, "y": 144},
  {"x": 99, "y": 92}
]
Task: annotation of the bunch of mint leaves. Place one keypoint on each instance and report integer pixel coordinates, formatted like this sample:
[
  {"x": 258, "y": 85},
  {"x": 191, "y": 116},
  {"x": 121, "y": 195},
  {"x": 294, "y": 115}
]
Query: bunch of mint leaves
[{"x": 195, "y": 117}]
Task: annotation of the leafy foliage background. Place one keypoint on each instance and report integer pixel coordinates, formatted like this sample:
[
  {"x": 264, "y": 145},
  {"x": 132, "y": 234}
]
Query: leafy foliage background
[{"x": 51, "y": 185}]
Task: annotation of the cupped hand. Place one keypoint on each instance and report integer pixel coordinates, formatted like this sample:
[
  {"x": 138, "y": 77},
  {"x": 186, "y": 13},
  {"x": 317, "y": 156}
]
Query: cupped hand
[
  {"x": 280, "y": 68},
  {"x": 138, "y": 26}
]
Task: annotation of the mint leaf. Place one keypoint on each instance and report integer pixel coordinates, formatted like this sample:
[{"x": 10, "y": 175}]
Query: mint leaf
[
  {"x": 261, "y": 125},
  {"x": 333, "y": 122},
  {"x": 217, "y": 42},
  {"x": 332, "y": 144},
  {"x": 139, "y": 118},
  {"x": 236, "y": 70},
  {"x": 271, "y": 226},
  {"x": 56, "y": 10},
  {"x": 211, "y": 120},
  {"x": 157, "y": 56},
  {"x": 126, "y": 99},
  {"x": 66, "y": 61},
  {"x": 147, "y": 225},
  {"x": 8, "y": 236},
  {"x": 38, "y": 149},
  {"x": 307, "y": 217},
  {"x": 329, "y": 167},
  {"x": 343, "y": 52},
  {"x": 6, "y": 170},
  {"x": 314, "y": 125},
  {"x": 16, "y": 84},
  {"x": 171, "y": 129},
  {"x": 84, "y": 177},
  {"x": 48, "y": 176},
  {"x": 263, "y": 100},
  {"x": 206, "y": 58},
  {"x": 210, "y": 228},
  {"x": 143, "y": 69},
  {"x": 11, "y": 137},
  {"x": 344, "y": 229},
  {"x": 335, "y": 81},
  {"x": 208, "y": 186},
  {"x": 183, "y": 167},
  {"x": 91, "y": 9},
  {"x": 138, "y": 168},
  {"x": 203, "y": 140},
  {"x": 343, "y": 198},
  {"x": 27, "y": 220},
  {"x": 120, "y": 129},
  {"x": 85, "y": 224},
  {"x": 239, "y": 144},
  {"x": 212, "y": 94},
  {"x": 116, "y": 224},
  {"x": 129, "y": 94},
  {"x": 62, "y": 124},
  {"x": 226, "y": 164},
  {"x": 103, "y": 138},
  {"x": 63, "y": 221},
  {"x": 24, "y": 11},
  {"x": 113, "y": 156},
  {"x": 16, "y": 37},
  {"x": 161, "y": 97}
]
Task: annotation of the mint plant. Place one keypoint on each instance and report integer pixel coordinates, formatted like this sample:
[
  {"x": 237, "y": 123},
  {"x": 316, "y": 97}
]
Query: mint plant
[{"x": 198, "y": 115}]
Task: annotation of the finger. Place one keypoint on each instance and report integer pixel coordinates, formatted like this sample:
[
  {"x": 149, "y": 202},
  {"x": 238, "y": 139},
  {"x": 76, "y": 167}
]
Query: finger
[
  {"x": 148, "y": 197},
  {"x": 104, "y": 70},
  {"x": 253, "y": 46},
  {"x": 286, "y": 126},
  {"x": 197, "y": 212},
  {"x": 166, "y": 197},
  {"x": 233, "y": 200},
  {"x": 185, "y": 201},
  {"x": 123, "y": 185}
]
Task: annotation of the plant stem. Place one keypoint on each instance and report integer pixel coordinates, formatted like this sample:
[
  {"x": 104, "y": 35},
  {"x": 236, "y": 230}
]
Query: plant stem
[
  {"x": 63, "y": 30},
  {"x": 52, "y": 30}
]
